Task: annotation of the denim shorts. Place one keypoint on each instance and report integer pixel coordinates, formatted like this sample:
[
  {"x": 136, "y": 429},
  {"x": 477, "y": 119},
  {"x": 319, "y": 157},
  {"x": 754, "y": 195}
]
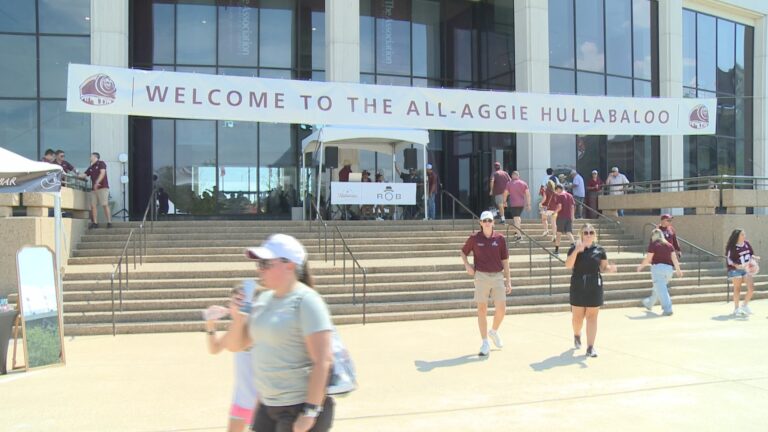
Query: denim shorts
[{"x": 737, "y": 273}]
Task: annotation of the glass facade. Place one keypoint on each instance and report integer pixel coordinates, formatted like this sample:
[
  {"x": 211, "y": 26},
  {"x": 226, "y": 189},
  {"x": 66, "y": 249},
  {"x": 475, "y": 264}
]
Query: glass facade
[
  {"x": 599, "y": 48},
  {"x": 38, "y": 39},
  {"x": 718, "y": 62},
  {"x": 224, "y": 167},
  {"x": 449, "y": 44}
]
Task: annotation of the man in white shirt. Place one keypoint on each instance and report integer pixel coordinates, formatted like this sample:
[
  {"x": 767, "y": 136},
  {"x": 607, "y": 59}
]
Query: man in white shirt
[
  {"x": 578, "y": 190},
  {"x": 616, "y": 182}
]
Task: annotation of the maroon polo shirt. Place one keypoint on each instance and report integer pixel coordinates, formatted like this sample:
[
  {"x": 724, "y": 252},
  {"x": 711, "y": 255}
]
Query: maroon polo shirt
[
  {"x": 567, "y": 203},
  {"x": 489, "y": 252},
  {"x": 93, "y": 172},
  {"x": 662, "y": 252},
  {"x": 500, "y": 179}
]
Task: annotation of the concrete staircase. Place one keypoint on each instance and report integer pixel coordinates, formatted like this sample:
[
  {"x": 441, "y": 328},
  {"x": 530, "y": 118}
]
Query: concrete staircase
[{"x": 413, "y": 272}]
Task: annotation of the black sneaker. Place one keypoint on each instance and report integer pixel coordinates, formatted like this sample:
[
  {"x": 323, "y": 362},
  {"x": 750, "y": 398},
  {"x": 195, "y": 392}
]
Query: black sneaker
[
  {"x": 109, "y": 224},
  {"x": 94, "y": 225},
  {"x": 576, "y": 342},
  {"x": 591, "y": 352}
]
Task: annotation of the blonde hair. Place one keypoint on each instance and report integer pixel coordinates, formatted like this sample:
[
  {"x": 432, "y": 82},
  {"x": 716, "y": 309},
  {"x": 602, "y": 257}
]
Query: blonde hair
[
  {"x": 588, "y": 227},
  {"x": 658, "y": 236}
]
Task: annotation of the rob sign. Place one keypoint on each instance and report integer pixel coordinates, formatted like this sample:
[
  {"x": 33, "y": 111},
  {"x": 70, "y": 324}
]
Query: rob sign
[{"x": 373, "y": 193}]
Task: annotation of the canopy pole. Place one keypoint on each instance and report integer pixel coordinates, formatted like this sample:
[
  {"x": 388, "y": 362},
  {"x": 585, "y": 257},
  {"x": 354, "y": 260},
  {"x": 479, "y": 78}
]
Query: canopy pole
[
  {"x": 57, "y": 244},
  {"x": 303, "y": 176},
  {"x": 426, "y": 182},
  {"x": 394, "y": 149},
  {"x": 320, "y": 175}
]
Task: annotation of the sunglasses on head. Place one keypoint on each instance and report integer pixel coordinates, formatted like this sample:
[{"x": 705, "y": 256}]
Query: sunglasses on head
[
  {"x": 487, "y": 220},
  {"x": 588, "y": 232},
  {"x": 266, "y": 264}
]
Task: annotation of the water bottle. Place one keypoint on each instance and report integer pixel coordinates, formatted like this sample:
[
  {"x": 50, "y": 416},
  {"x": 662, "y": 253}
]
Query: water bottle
[{"x": 249, "y": 287}]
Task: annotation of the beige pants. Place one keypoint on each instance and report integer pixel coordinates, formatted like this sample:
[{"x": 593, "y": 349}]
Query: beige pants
[
  {"x": 489, "y": 285},
  {"x": 100, "y": 197}
]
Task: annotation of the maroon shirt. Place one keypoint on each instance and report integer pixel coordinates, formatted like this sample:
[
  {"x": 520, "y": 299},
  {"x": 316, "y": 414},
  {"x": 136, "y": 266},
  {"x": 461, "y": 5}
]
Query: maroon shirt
[
  {"x": 549, "y": 199},
  {"x": 432, "y": 179},
  {"x": 489, "y": 252},
  {"x": 740, "y": 255},
  {"x": 669, "y": 234},
  {"x": 567, "y": 203},
  {"x": 66, "y": 166},
  {"x": 662, "y": 252},
  {"x": 500, "y": 179},
  {"x": 344, "y": 174},
  {"x": 93, "y": 172}
]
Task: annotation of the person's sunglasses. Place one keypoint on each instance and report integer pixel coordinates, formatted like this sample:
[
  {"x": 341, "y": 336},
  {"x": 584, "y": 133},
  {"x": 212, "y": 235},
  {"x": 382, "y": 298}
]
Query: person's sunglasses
[
  {"x": 588, "y": 232},
  {"x": 265, "y": 264},
  {"x": 487, "y": 220}
]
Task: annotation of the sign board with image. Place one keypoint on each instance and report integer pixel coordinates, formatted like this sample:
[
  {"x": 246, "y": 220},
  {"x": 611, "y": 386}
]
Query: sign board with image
[{"x": 373, "y": 193}]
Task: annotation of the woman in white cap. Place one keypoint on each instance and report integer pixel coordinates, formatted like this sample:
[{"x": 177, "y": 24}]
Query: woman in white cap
[
  {"x": 491, "y": 258},
  {"x": 289, "y": 328}
]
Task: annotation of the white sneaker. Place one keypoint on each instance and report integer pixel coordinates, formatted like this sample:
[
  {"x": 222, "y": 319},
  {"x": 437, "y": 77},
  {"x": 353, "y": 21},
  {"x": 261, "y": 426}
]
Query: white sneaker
[
  {"x": 485, "y": 349},
  {"x": 746, "y": 310},
  {"x": 496, "y": 338},
  {"x": 647, "y": 304},
  {"x": 739, "y": 312}
]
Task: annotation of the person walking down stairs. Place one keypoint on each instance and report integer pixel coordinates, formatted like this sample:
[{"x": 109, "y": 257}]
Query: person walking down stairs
[{"x": 663, "y": 260}]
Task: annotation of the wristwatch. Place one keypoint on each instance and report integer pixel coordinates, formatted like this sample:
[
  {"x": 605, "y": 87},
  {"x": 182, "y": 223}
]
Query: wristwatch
[{"x": 311, "y": 410}]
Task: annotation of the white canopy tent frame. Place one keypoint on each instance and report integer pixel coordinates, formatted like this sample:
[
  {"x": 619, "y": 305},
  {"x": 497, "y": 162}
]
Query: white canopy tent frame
[
  {"x": 381, "y": 140},
  {"x": 12, "y": 163}
]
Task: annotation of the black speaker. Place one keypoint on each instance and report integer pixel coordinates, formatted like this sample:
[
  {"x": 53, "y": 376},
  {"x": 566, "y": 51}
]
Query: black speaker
[
  {"x": 331, "y": 157},
  {"x": 410, "y": 158}
]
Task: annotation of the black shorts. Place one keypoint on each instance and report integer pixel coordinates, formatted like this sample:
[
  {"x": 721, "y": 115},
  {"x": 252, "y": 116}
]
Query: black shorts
[
  {"x": 515, "y": 211},
  {"x": 564, "y": 226}
]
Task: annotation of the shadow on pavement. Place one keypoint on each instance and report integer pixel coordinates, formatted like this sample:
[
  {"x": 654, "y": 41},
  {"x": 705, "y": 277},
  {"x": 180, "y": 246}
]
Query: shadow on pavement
[
  {"x": 566, "y": 358},
  {"x": 730, "y": 317},
  {"x": 647, "y": 315},
  {"x": 426, "y": 366}
]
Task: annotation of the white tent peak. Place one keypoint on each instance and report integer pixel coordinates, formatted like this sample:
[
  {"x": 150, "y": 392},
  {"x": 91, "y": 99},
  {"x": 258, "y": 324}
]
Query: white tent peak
[
  {"x": 382, "y": 140},
  {"x": 11, "y": 162}
]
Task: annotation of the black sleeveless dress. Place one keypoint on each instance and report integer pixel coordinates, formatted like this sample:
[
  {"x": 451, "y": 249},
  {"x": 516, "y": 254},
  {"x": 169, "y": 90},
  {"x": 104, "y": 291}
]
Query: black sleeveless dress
[{"x": 586, "y": 280}]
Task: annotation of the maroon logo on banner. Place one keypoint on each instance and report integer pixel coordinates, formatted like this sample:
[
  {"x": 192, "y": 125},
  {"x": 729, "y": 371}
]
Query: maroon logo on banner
[
  {"x": 699, "y": 117},
  {"x": 98, "y": 89}
]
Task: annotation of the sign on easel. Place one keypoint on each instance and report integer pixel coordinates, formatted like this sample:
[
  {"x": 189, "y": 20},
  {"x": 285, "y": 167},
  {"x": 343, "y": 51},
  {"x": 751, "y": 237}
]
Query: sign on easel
[{"x": 41, "y": 318}]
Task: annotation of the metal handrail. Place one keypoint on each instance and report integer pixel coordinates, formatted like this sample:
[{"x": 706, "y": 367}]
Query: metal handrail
[
  {"x": 453, "y": 216},
  {"x": 599, "y": 226},
  {"x": 123, "y": 259},
  {"x": 691, "y": 183},
  {"x": 354, "y": 275},
  {"x": 325, "y": 227},
  {"x": 531, "y": 242},
  {"x": 699, "y": 252}
]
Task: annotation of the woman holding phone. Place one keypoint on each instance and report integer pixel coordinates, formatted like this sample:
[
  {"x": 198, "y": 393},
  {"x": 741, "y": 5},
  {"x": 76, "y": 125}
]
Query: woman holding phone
[
  {"x": 289, "y": 328},
  {"x": 588, "y": 260}
]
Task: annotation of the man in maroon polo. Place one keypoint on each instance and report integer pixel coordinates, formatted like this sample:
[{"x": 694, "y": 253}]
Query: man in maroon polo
[
  {"x": 665, "y": 225},
  {"x": 100, "y": 194},
  {"x": 491, "y": 258},
  {"x": 498, "y": 186},
  {"x": 566, "y": 207}
]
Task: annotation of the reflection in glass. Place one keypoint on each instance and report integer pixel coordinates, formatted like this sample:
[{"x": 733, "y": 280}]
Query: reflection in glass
[
  {"x": 620, "y": 153},
  {"x": 562, "y": 81},
  {"x": 726, "y": 62},
  {"x": 739, "y": 59},
  {"x": 163, "y": 31},
  {"x": 561, "y": 33},
  {"x": 426, "y": 38},
  {"x": 643, "y": 88},
  {"x": 706, "y": 51},
  {"x": 393, "y": 80},
  {"x": 238, "y": 35},
  {"x": 726, "y": 116},
  {"x": 18, "y": 127},
  {"x": 619, "y": 86},
  {"x": 641, "y": 19},
  {"x": 590, "y": 154},
  {"x": 276, "y": 34},
  {"x": 64, "y": 130},
  {"x": 56, "y": 52},
  {"x": 318, "y": 39},
  {"x": 726, "y": 156},
  {"x": 278, "y": 185},
  {"x": 65, "y": 16},
  {"x": 18, "y": 70},
  {"x": 367, "y": 37},
  {"x": 196, "y": 34},
  {"x": 590, "y": 84},
  {"x": 590, "y": 53},
  {"x": 17, "y": 16},
  {"x": 689, "y": 48},
  {"x": 562, "y": 152},
  {"x": 162, "y": 156},
  {"x": 393, "y": 37},
  {"x": 196, "y": 189},
  {"x": 238, "y": 166},
  {"x": 618, "y": 37}
]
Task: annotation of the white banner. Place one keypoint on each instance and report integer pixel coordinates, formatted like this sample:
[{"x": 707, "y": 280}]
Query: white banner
[
  {"x": 373, "y": 193},
  {"x": 109, "y": 90}
]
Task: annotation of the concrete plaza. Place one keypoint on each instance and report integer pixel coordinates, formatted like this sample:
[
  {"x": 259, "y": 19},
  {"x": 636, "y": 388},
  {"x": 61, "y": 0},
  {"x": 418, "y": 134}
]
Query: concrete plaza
[{"x": 699, "y": 370}]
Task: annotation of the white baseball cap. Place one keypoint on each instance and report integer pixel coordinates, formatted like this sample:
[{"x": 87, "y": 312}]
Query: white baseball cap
[
  {"x": 429, "y": 166},
  {"x": 279, "y": 246},
  {"x": 486, "y": 215}
]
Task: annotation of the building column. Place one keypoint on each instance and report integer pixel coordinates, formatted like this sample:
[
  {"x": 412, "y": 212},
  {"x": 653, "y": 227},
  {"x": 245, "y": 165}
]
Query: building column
[
  {"x": 109, "y": 132},
  {"x": 671, "y": 152},
  {"x": 532, "y": 76},
  {"x": 760, "y": 104},
  {"x": 342, "y": 40}
]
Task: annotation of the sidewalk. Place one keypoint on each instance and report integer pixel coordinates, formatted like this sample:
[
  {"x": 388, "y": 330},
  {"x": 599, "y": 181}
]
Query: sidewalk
[{"x": 698, "y": 370}]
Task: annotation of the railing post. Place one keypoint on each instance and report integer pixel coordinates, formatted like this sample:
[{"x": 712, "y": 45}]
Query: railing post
[
  {"x": 698, "y": 258},
  {"x": 530, "y": 257},
  {"x": 550, "y": 275},
  {"x": 365, "y": 292},
  {"x": 112, "y": 289},
  {"x": 120, "y": 283},
  {"x": 334, "y": 248},
  {"x": 325, "y": 240},
  {"x": 454, "y": 214},
  {"x": 133, "y": 240},
  {"x": 354, "y": 287}
]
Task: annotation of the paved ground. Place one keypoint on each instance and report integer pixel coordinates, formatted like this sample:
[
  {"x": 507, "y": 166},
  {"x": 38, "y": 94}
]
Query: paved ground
[{"x": 699, "y": 370}]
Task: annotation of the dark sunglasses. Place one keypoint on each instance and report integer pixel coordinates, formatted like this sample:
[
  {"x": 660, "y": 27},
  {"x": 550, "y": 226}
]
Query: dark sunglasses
[
  {"x": 588, "y": 232},
  {"x": 265, "y": 264},
  {"x": 487, "y": 220}
]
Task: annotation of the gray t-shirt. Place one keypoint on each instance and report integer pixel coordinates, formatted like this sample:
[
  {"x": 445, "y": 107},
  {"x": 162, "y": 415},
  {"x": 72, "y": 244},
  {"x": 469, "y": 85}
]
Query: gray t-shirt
[{"x": 278, "y": 326}]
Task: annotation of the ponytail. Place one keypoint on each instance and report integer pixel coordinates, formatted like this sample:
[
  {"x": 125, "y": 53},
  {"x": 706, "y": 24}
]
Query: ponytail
[{"x": 304, "y": 275}]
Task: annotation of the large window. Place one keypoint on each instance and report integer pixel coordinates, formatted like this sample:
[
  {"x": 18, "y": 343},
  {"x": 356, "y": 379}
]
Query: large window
[
  {"x": 226, "y": 167},
  {"x": 38, "y": 39},
  {"x": 598, "y": 48},
  {"x": 717, "y": 62}
]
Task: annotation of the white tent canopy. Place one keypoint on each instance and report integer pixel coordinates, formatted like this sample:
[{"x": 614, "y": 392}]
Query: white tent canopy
[
  {"x": 381, "y": 140},
  {"x": 33, "y": 176}
]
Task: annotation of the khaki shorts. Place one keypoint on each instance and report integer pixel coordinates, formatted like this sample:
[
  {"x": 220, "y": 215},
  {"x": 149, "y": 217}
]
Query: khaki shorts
[
  {"x": 499, "y": 199},
  {"x": 100, "y": 197},
  {"x": 489, "y": 285}
]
